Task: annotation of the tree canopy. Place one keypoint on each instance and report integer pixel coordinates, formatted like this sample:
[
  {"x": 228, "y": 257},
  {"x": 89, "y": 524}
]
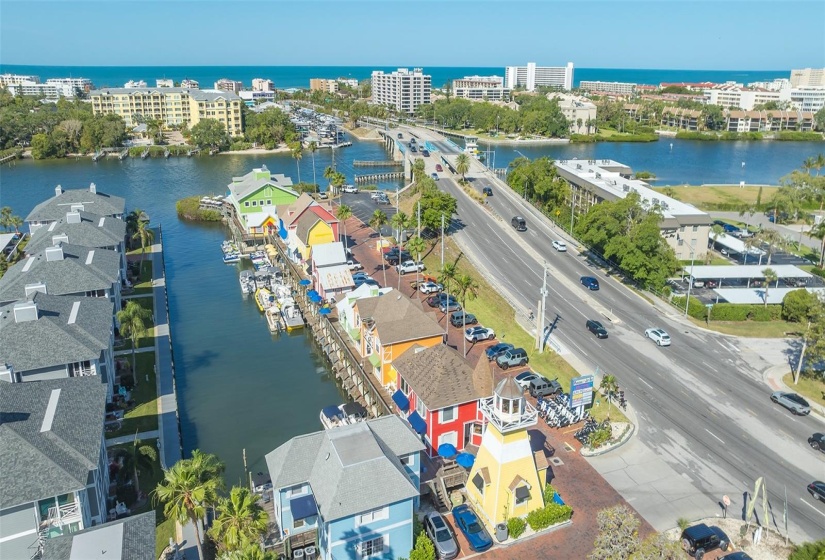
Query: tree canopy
[
  {"x": 209, "y": 133},
  {"x": 270, "y": 127},
  {"x": 538, "y": 181}
]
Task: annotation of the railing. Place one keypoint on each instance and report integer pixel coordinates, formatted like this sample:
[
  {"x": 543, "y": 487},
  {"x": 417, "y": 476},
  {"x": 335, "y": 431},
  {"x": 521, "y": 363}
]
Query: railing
[
  {"x": 527, "y": 418},
  {"x": 58, "y": 513}
]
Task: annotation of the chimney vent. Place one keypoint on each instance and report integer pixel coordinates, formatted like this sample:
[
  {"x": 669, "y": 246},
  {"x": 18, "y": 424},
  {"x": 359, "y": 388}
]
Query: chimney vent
[
  {"x": 59, "y": 238},
  {"x": 58, "y": 190},
  {"x": 93, "y": 188},
  {"x": 54, "y": 253},
  {"x": 32, "y": 289},
  {"x": 72, "y": 217},
  {"x": 78, "y": 207},
  {"x": 25, "y": 311}
]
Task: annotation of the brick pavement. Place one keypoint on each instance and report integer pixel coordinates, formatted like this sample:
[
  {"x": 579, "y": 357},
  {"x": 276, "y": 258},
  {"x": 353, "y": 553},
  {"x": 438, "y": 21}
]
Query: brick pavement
[{"x": 579, "y": 484}]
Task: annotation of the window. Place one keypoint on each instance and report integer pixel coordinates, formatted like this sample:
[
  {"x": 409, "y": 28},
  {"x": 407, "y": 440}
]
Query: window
[
  {"x": 420, "y": 408},
  {"x": 448, "y": 414},
  {"x": 680, "y": 242},
  {"x": 373, "y": 515},
  {"x": 404, "y": 387},
  {"x": 372, "y": 547},
  {"x": 449, "y": 437},
  {"x": 254, "y": 203},
  {"x": 682, "y": 229},
  {"x": 695, "y": 228},
  {"x": 246, "y": 204},
  {"x": 478, "y": 482},
  {"x": 297, "y": 490},
  {"x": 522, "y": 495},
  {"x": 407, "y": 460},
  {"x": 297, "y": 524}
]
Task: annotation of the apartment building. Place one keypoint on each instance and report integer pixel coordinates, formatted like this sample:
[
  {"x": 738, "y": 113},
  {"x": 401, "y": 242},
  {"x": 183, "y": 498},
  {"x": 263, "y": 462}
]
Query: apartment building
[
  {"x": 132, "y": 84},
  {"x": 190, "y": 84},
  {"x": 164, "y": 82},
  {"x": 734, "y": 95},
  {"x": 225, "y": 84},
  {"x": 487, "y": 88},
  {"x": 48, "y": 91},
  {"x": 531, "y": 76},
  {"x": 173, "y": 106},
  {"x": 804, "y": 77},
  {"x": 685, "y": 228},
  {"x": 619, "y": 88},
  {"x": 808, "y": 99},
  {"x": 403, "y": 90},
  {"x": 768, "y": 121},
  {"x": 579, "y": 111},
  {"x": 323, "y": 84},
  {"x": 17, "y": 79},
  {"x": 686, "y": 119},
  {"x": 262, "y": 84}
]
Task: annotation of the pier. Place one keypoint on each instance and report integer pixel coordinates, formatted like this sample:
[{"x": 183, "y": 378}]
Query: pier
[
  {"x": 389, "y": 163},
  {"x": 374, "y": 178}
]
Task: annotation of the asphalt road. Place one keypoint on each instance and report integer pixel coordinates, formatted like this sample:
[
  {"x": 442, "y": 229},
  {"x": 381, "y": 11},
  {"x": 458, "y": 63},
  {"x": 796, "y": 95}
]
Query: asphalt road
[
  {"x": 704, "y": 411},
  {"x": 363, "y": 208}
]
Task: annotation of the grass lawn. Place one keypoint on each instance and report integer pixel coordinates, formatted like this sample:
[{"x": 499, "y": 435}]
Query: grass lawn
[
  {"x": 701, "y": 196},
  {"x": 146, "y": 341},
  {"x": 812, "y": 388},
  {"x": 715, "y": 261},
  {"x": 753, "y": 329},
  {"x": 144, "y": 417},
  {"x": 145, "y": 274},
  {"x": 494, "y": 311}
]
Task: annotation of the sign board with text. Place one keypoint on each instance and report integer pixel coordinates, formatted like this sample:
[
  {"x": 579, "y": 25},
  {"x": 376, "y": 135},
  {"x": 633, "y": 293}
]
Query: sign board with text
[{"x": 581, "y": 391}]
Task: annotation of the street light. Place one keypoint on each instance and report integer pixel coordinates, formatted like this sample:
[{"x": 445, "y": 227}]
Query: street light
[{"x": 690, "y": 280}]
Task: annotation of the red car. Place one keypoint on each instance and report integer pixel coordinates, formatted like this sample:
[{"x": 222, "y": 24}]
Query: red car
[{"x": 438, "y": 167}]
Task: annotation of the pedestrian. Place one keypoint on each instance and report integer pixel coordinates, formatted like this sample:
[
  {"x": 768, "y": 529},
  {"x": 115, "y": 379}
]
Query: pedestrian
[{"x": 531, "y": 316}]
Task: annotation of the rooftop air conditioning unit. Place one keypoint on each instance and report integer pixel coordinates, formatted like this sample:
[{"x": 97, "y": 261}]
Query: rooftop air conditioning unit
[
  {"x": 598, "y": 175},
  {"x": 625, "y": 188},
  {"x": 655, "y": 201},
  {"x": 578, "y": 166}
]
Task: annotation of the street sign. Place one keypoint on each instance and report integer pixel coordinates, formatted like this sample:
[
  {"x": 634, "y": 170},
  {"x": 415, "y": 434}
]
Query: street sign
[
  {"x": 708, "y": 305},
  {"x": 581, "y": 391}
]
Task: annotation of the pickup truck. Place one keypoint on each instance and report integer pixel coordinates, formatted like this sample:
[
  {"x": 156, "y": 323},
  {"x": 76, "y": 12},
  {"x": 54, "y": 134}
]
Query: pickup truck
[{"x": 409, "y": 266}]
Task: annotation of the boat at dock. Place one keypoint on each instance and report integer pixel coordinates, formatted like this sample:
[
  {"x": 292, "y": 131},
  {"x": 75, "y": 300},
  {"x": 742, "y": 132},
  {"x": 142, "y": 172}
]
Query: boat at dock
[
  {"x": 231, "y": 258},
  {"x": 264, "y": 299},
  {"x": 342, "y": 415},
  {"x": 274, "y": 319},
  {"x": 247, "y": 281},
  {"x": 293, "y": 320}
]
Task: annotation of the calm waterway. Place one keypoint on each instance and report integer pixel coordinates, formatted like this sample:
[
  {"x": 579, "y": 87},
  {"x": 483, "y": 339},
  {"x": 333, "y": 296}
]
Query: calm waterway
[{"x": 238, "y": 386}]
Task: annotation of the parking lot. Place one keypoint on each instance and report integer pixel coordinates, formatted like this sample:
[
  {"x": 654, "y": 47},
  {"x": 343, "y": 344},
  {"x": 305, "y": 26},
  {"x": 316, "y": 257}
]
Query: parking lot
[{"x": 363, "y": 208}]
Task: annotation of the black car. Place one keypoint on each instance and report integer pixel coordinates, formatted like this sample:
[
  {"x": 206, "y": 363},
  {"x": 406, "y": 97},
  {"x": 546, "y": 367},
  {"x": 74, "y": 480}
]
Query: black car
[
  {"x": 460, "y": 318},
  {"x": 738, "y": 555},
  {"x": 394, "y": 256},
  {"x": 596, "y": 328},
  {"x": 817, "y": 490},
  {"x": 590, "y": 283},
  {"x": 817, "y": 442},
  {"x": 487, "y": 191},
  {"x": 438, "y": 299},
  {"x": 699, "y": 539},
  {"x": 519, "y": 223}
]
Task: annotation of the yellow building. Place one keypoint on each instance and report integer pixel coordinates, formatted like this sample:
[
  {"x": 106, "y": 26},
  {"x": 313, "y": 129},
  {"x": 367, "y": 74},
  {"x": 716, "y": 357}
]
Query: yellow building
[
  {"x": 172, "y": 106},
  {"x": 389, "y": 326},
  {"x": 507, "y": 478}
]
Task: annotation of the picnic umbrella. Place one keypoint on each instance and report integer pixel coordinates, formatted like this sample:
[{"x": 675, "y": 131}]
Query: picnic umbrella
[
  {"x": 465, "y": 460},
  {"x": 447, "y": 450}
]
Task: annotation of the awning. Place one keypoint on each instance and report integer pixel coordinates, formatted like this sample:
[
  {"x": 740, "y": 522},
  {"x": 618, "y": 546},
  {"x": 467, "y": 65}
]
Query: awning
[
  {"x": 401, "y": 400},
  {"x": 375, "y": 360},
  {"x": 303, "y": 507},
  {"x": 418, "y": 424}
]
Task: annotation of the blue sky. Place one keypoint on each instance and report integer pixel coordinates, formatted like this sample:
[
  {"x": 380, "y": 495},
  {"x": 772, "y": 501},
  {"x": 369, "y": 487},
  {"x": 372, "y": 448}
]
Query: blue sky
[{"x": 738, "y": 34}]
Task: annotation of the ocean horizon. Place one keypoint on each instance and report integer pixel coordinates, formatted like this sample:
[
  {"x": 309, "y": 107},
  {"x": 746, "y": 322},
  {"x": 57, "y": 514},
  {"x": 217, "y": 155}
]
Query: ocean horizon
[{"x": 299, "y": 76}]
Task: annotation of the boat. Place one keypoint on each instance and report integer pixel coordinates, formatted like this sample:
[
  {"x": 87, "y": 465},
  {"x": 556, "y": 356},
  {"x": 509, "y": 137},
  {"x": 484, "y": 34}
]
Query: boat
[
  {"x": 247, "y": 281},
  {"x": 229, "y": 247},
  {"x": 273, "y": 319},
  {"x": 262, "y": 279},
  {"x": 342, "y": 415},
  {"x": 292, "y": 315},
  {"x": 264, "y": 299},
  {"x": 231, "y": 258},
  {"x": 166, "y": 153}
]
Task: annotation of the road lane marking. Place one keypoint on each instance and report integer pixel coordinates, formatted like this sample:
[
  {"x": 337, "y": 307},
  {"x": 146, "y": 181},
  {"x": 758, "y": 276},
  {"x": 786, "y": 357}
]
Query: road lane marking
[
  {"x": 715, "y": 436},
  {"x": 645, "y": 382},
  {"x": 816, "y": 509}
]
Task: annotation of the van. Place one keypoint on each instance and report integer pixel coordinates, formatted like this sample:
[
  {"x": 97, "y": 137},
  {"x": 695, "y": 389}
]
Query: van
[
  {"x": 519, "y": 223},
  {"x": 542, "y": 387}
]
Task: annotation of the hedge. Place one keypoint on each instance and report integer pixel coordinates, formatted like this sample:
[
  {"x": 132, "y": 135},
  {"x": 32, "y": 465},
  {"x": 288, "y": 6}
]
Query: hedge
[
  {"x": 550, "y": 514},
  {"x": 730, "y": 311},
  {"x": 582, "y": 138},
  {"x": 189, "y": 209},
  {"x": 516, "y": 526},
  {"x": 818, "y": 271},
  {"x": 795, "y": 136},
  {"x": 715, "y": 136}
]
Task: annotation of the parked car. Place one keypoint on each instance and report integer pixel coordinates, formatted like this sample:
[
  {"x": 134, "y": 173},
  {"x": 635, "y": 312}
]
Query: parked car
[
  {"x": 519, "y": 223},
  {"x": 793, "y": 402},
  {"x": 409, "y": 266},
  {"x": 524, "y": 378},
  {"x": 817, "y": 490},
  {"x": 596, "y": 328},
  {"x": 473, "y": 530},
  {"x": 439, "y": 532},
  {"x": 590, "y": 283},
  {"x": 817, "y": 442},
  {"x": 438, "y": 299},
  {"x": 354, "y": 265},
  {"x": 382, "y": 200},
  {"x": 434, "y": 176},
  {"x": 738, "y": 555},
  {"x": 699, "y": 539},
  {"x": 368, "y": 282},
  {"x": 475, "y": 334},
  {"x": 497, "y": 350},
  {"x": 425, "y": 153},
  {"x": 543, "y": 387},
  {"x": 377, "y": 194},
  {"x": 429, "y": 287},
  {"x": 512, "y": 357},
  {"x": 438, "y": 167},
  {"x": 448, "y": 306},
  {"x": 461, "y": 318},
  {"x": 361, "y": 276},
  {"x": 400, "y": 136},
  {"x": 394, "y": 257},
  {"x": 659, "y": 336},
  {"x": 349, "y": 189},
  {"x": 560, "y": 246},
  {"x": 696, "y": 283},
  {"x": 487, "y": 191}
]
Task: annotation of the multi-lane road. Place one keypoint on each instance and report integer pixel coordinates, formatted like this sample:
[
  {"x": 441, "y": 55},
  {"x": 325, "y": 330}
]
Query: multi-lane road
[{"x": 707, "y": 426}]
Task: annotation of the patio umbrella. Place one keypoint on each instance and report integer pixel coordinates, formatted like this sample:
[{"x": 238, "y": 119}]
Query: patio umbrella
[
  {"x": 447, "y": 450},
  {"x": 312, "y": 293},
  {"x": 325, "y": 311},
  {"x": 315, "y": 298},
  {"x": 465, "y": 460},
  {"x": 305, "y": 282}
]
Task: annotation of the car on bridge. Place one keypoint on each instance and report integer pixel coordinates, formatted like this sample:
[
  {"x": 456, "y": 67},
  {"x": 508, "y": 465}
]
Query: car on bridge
[
  {"x": 817, "y": 442},
  {"x": 596, "y": 328},
  {"x": 479, "y": 333},
  {"x": 560, "y": 246},
  {"x": 590, "y": 283},
  {"x": 793, "y": 402},
  {"x": 519, "y": 223},
  {"x": 659, "y": 336},
  {"x": 487, "y": 191},
  {"x": 425, "y": 153},
  {"x": 434, "y": 176}
]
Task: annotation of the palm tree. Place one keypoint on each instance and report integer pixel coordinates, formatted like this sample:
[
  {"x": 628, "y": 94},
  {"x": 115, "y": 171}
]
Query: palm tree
[
  {"x": 467, "y": 288},
  {"x": 400, "y": 222},
  {"x": 240, "y": 520},
  {"x": 131, "y": 320},
  {"x": 187, "y": 490},
  {"x": 818, "y": 232},
  {"x": 143, "y": 456},
  {"x": 313, "y": 147},
  {"x": 809, "y": 164},
  {"x": 344, "y": 213},
  {"x": 770, "y": 277},
  {"x": 296, "y": 151},
  {"x": 447, "y": 276},
  {"x": 417, "y": 246},
  {"x": 132, "y": 221},
  {"x": 418, "y": 169},
  {"x": 15, "y": 222},
  {"x": 248, "y": 552},
  {"x": 749, "y": 209},
  {"x": 377, "y": 221},
  {"x": 5, "y": 217},
  {"x": 773, "y": 239},
  {"x": 146, "y": 237},
  {"x": 820, "y": 163},
  {"x": 715, "y": 232},
  {"x": 462, "y": 164},
  {"x": 609, "y": 387}
]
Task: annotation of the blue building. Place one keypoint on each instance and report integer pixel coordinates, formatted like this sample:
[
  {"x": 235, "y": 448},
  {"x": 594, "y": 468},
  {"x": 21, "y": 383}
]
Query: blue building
[{"x": 351, "y": 491}]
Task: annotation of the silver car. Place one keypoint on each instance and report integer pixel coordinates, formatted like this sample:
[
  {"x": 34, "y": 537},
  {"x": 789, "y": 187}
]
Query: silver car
[
  {"x": 793, "y": 402},
  {"x": 442, "y": 536}
]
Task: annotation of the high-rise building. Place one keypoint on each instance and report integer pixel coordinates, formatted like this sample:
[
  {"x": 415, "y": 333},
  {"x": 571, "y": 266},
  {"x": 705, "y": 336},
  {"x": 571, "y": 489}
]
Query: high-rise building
[
  {"x": 404, "y": 90},
  {"x": 79, "y": 85},
  {"x": 620, "y": 88},
  {"x": 50, "y": 92},
  {"x": 803, "y": 77},
  {"x": 489, "y": 88},
  {"x": 226, "y": 84},
  {"x": 531, "y": 76},
  {"x": 17, "y": 79},
  {"x": 322, "y": 84},
  {"x": 262, "y": 84}
]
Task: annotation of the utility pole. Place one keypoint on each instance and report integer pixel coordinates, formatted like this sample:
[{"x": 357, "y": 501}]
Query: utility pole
[
  {"x": 442, "y": 241},
  {"x": 542, "y": 310},
  {"x": 419, "y": 218},
  {"x": 572, "y": 206}
]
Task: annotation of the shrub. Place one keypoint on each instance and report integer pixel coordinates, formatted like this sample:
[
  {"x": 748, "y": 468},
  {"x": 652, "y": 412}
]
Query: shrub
[
  {"x": 645, "y": 175},
  {"x": 550, "y": 514},
  {"x": 693, "y": 135},
  {"x": 599, "y": 437},
  {"x": 424, "y": 549},
  {"x": 794, "y": 136},
  {"x": 240, "y": 145},
  {"x": 582, "y": 138},
  {"x": 818, "y": 271},
  {"x": 808, "y": 551},
  {"x": 549, "y": 492},
  {"x": 683, "y": 523},
  {"x": 189, "y": 209},
  {"x": 631, "y": 138},
  {"x": 516, "y": 526}
]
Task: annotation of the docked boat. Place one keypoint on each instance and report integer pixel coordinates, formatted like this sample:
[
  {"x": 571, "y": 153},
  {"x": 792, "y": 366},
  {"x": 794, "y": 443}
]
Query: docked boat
[
  {"x": 247, "y": 281},
  {"x": 229, "y": 247},
  {"x": 342, "y": 415},
  {"x": 262, "y": 279},
  {"x": 293, "y": 319},
  {"x": 231, "y": 258},
  {"x": 264, "y": 299},
  {"x": 274, "y": 320}
]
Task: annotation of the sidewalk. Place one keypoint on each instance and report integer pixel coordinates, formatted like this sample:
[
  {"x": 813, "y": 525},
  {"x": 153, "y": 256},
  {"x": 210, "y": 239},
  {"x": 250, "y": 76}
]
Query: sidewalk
[
  {"x": 773, "y": 377},
  {"x": 130, "y": 438}
]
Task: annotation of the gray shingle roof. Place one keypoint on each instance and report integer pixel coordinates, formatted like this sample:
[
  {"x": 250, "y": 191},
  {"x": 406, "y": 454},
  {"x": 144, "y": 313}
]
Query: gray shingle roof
[
  {"x": 92, "y": 231},
  {"x": 80, "y": 270},
  {"x": 438, "y": 375},
  {"x": 242, "y": 187},
  {"x": 304, "y": 225},
  {"x": 350, "y": 469},
  {"x": 398, "y": 318},
  {"x": 198, "y": 94},
  {"x": 132, "y": 538},
  {"x": 38, "y": 464},
  {"x": 51, "y": 340},
  {"x": 98, "y": 203}
]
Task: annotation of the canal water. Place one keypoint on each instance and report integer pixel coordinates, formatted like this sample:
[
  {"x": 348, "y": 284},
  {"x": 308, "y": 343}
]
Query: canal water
[{"x": 240, "y": 387}]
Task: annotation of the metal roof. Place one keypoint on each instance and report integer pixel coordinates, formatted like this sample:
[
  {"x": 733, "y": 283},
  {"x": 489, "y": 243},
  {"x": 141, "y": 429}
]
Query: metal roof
[
  {"x": 757, "y": 295},
  {"x": 723, "y": 272}
]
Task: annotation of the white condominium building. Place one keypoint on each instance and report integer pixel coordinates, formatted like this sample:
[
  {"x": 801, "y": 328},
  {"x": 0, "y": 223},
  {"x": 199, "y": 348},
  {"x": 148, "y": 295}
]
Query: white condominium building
[
  {"x": 190, "y": 84},
  {"x": 733, "y": 95},
  {"x": 531, "y": 76},
  {"x": 164, "y": 82},
  {"x": 403, "y": 90},
  {"x": 262, "y": 84},
  {"x": 579, "y": 111},
  {"x": 808, "y": 77},
  {"x": 17, "y": 79},
  {"x": 808, "y": 99},
  {"x": 226, "y": 84},
  {"x": 489, "y": 88},
  {"x": 620, "y": 88},
  {"x": 131, "y": 84},
  {"x": 50, "y": 92}
]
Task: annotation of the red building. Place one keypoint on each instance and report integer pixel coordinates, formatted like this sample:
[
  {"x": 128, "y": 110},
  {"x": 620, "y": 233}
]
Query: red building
[{"x": 439, "y": 393}]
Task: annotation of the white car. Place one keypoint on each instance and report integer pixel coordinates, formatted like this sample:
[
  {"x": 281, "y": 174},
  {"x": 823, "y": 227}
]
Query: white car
[
  {"x": 377, "y": 194},
  {"x": 410, "y": 266},
  {"x": 560, "y": 246},
  {"x": 354, "y": 265},
  {"x": 429, "y": 288},
  {"x": 350, "y": 189},
  {"x": 659, "y": 336},
  {"x": 475, "y": 334}
]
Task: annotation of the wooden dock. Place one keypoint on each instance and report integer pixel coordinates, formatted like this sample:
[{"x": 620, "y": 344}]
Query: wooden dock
[
  {"x": 388, "y": 163},
  {"x": 375, "y": 177}
]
